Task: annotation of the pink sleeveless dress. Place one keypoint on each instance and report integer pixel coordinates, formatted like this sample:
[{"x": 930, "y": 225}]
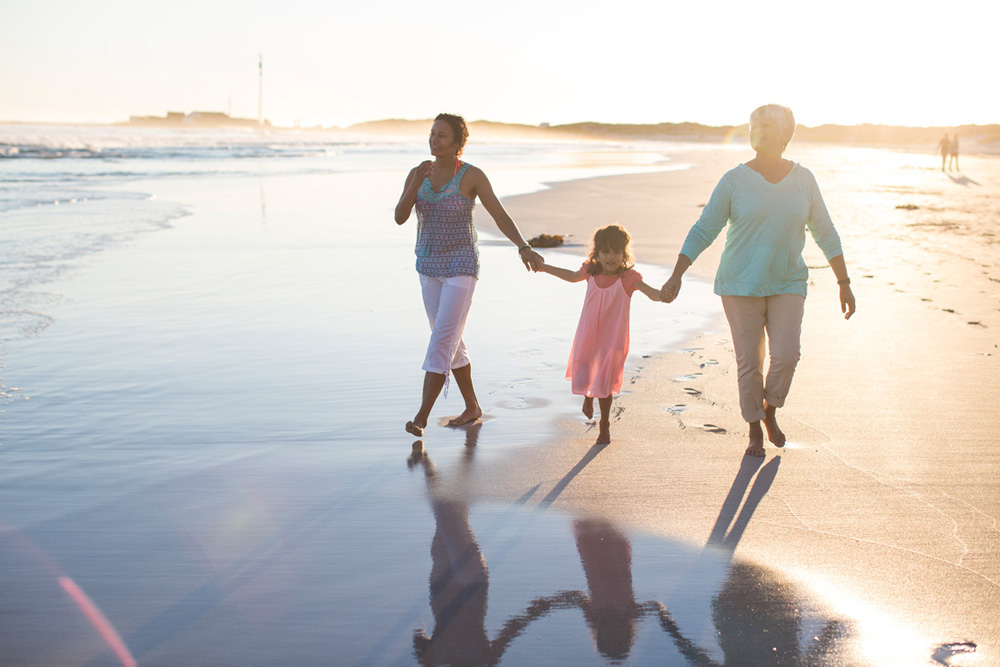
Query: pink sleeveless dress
[{"x": 597, "y": 360}]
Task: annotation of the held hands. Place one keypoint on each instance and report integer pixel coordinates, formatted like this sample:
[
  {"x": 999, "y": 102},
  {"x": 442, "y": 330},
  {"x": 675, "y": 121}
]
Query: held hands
[
  {"x": 532, "y": 260},
  {"x": 670, "y": 289}
]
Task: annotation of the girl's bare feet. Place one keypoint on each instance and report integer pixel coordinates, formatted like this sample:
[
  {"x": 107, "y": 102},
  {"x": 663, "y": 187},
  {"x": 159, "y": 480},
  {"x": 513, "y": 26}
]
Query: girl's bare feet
[
  {"x": 415, "y": 428},
  {"x": 756, "y": 447},
  {"x": 588, "y": 407},
  {"x": 604, "y": 434},
  {"x": 470, "y": 415},
  {"x": 774, "y": 433}
]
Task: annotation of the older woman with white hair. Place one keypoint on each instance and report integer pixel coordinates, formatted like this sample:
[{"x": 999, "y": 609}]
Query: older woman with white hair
[{"x": 767, "y": 203}]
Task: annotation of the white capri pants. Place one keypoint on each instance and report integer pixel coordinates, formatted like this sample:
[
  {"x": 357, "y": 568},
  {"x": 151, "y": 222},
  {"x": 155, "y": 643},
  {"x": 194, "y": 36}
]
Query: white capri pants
[
  {"x": 749, "y": 317},
  {"x": 447, "y": 302}
]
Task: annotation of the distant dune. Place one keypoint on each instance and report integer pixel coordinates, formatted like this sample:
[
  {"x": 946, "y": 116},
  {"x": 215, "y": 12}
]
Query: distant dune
[{"x": 973, "y": 138}]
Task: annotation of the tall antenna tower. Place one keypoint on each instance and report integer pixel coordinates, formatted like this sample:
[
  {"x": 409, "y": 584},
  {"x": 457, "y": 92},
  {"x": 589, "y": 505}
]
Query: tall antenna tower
[{"x": 260, "y": 89}]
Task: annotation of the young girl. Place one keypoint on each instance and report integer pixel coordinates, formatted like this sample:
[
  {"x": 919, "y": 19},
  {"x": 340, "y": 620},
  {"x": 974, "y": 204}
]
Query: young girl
[{"x": 597, "y": 360}]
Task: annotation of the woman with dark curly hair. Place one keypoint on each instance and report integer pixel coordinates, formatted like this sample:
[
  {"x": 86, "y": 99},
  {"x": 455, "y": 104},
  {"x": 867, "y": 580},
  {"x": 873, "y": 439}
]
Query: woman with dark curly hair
[
  {"x": 767, "y": 204},
  {"x": 444, "y": 192}
]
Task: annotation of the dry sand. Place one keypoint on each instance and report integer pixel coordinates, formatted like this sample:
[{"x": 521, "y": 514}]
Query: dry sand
[{"x": 888, "y": 493}]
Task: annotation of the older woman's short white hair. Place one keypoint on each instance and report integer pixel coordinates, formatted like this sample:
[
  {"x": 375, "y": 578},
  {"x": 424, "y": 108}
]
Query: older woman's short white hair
[{"x": 781, "y": 115}]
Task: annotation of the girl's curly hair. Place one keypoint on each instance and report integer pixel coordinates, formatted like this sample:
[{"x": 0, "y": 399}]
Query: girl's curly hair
[{"x": 612, "y": 237}]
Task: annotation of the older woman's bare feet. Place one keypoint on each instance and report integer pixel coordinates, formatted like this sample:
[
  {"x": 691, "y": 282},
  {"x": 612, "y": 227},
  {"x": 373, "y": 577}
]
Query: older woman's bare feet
[
  {"x": 756, "y": 447},
  {"x": 414, "y": 428},
  {"x": 774, "y": 433},
  {"x": 588, "y": 407},
  {"x": 470, "y": 415}
]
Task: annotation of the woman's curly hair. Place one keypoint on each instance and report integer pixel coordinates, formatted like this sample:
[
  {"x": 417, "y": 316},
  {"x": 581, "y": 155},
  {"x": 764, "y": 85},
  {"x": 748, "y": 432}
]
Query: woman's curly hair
[
  {"x": 458, "y": 128},
  {"x": 612, "y": 237}
]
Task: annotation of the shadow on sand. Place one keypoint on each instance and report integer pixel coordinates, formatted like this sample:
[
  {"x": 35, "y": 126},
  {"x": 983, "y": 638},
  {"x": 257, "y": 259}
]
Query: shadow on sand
[
  {"x": 962, "y": 180},
  {"x": 758, "y": 616}
]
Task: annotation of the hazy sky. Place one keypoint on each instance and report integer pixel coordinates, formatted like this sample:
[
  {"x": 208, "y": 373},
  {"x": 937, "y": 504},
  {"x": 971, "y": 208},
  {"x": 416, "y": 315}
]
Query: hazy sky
[{"x": 529, "y": 61}]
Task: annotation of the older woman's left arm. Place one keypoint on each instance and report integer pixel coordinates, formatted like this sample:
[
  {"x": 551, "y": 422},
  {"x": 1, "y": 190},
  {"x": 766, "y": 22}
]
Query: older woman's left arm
[
  {"x": 825, "y": 234},
  {"x": 482, "y": 188},
  {"x": 847, "y": 304}
]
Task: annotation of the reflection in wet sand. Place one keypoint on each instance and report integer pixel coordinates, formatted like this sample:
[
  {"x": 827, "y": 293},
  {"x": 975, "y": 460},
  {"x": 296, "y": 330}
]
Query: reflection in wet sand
[
  {"x": 759, "y": 618},
  {"x": 611, "y": 610}
]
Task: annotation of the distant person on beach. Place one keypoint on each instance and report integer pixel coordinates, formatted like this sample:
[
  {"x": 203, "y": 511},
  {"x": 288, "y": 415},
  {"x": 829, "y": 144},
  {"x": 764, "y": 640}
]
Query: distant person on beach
[
  {"x": 944, "y": 147},
  {"x": 444, "y": 192},
  {"x": 767, "y": 203},
  {"x": 597, "y": 359},
  {"x": 953, "y": 154}
]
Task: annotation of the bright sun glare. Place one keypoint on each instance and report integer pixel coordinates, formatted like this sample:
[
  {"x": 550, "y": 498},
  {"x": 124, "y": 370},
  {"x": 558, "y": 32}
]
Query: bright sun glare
[{"x": 528, "y": 62}]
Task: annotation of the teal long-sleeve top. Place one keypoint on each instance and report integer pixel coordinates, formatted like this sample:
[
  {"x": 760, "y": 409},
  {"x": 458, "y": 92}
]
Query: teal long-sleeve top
[{"x": 767, "y": 231}]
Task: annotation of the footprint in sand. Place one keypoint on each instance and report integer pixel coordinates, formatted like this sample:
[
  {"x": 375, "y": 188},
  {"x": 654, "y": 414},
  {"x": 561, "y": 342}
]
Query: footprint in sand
[
  {"x": 523, "y": 403},
  {"x": 710, "y": 362},
  {"x": 945, "y": 652},
  {"x": 690, "y": 391},
  {"x": 712, "y": 428},
  {"x": 677, "y": 409},
  {"x": 687, "y": 378}
]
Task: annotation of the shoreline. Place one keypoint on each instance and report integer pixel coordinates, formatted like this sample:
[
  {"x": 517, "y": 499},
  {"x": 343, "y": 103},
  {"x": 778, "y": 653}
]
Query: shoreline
[{"x": 887, "y": 495}]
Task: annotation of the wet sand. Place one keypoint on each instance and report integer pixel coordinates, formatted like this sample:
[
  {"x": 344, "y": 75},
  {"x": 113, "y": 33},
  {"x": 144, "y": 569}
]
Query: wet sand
[
  {"x": 211, "y": 468},
  {"x": 888, "y": 492}
]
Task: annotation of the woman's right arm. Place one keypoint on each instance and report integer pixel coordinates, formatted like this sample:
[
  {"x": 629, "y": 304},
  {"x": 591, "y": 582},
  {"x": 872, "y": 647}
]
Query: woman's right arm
[
  {"x": 409, "y": 197},
  {"x": 565, "y": 274},
  {"x": 713, "y": 219}
]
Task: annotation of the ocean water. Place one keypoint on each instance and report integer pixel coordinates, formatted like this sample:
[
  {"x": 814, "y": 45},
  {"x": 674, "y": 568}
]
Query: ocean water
[
  {"x": 291, "y": 259},
  {"x": 210, "y": 343}
]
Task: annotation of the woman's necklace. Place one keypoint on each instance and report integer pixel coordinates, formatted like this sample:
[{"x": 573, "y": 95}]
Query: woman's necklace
[{"x": 457, "y": 163}]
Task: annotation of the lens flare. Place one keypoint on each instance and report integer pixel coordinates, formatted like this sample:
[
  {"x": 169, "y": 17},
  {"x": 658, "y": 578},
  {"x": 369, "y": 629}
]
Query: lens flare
[{"x": 98, "y": 620}]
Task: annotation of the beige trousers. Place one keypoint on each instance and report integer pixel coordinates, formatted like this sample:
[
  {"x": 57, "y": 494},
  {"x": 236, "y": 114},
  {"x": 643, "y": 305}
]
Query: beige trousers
[{"x": 749, "y": 318}]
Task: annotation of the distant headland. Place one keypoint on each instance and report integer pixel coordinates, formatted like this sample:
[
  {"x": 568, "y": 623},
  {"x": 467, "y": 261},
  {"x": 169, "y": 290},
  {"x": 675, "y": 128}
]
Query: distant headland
[
  {"x": 974, "y": 138},
  {"x": 980, "y": 138}
]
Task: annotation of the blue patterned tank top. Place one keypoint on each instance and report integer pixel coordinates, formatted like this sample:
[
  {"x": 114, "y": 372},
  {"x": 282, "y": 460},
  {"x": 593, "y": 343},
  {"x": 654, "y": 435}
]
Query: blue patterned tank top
[{"x": 447, "y": 243}]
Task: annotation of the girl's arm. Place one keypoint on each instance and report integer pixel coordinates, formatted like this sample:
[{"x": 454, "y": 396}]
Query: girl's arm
[
  {"x": 409, "y": 197},
  {"x": 565, "y": 274},
  {"x": 651, "y": 292},
  {"x": 481, "y": 187}
]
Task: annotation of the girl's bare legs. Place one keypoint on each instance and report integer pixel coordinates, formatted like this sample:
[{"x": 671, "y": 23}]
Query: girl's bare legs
[
  {"x": 604, "y": 432},
  {"x": 463, "y": 377},
  {"x": 433, "y": 383},
  {"x": 588, "y": 407}
]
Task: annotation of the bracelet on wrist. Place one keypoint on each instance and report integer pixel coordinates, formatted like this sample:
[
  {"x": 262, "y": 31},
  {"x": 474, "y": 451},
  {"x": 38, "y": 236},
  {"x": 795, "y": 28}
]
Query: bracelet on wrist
[
  {"x": 845, "y": 281},
  {"x": 526, "y": 246}
]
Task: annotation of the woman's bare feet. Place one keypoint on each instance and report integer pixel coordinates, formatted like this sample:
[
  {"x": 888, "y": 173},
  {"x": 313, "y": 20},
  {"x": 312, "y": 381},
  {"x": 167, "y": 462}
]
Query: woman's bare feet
[
  {"x": 470, "y": 415},
  {"x": 604, "y": 434},
  {"x": 588, "y": 407},
  {"x": 415, "y": 428},
  {"x": 756, "y": 447},
  {"x": 774, "y": 433}
]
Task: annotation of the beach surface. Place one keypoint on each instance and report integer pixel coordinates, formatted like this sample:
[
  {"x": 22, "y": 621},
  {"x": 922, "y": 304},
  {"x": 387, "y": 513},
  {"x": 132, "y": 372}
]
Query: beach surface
[
  {"x": 208, "y": 362},
  {"x": 887, "y": 494}
]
